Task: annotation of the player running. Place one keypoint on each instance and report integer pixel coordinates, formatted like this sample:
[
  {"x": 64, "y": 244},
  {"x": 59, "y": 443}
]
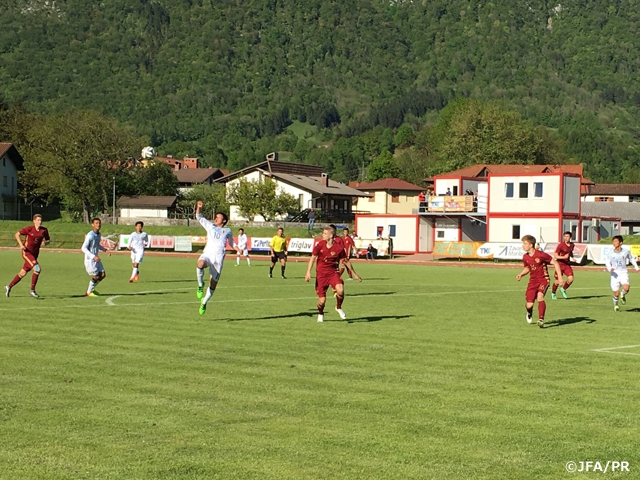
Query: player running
[
  {"x": 242, "y": 245},
  {"x": 616, "y": 262},
  {"x": 213, "y": 254},
  {"x": 564, "y": 251},
  {"x": 92, "y": 263},
  {"x": 349, "y": 246},
  {"x": 35, "y": 236},
  {"x": 535, "y": 264},
  {"x": 329, "y": 254},
  {"x": 138, "y": 241}
]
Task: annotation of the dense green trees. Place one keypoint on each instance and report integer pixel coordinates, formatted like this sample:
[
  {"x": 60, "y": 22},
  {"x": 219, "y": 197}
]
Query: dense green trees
[{"x": 225, "y": 81}]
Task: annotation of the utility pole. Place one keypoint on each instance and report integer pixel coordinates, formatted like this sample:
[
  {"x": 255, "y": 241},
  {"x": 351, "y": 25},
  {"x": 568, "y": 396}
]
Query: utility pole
[{"x": 114, "y": 200}]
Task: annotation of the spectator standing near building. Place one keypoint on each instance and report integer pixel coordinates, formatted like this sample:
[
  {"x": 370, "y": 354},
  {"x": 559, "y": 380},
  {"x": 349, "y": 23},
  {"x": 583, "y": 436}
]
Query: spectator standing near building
[{"x": 312, "y": 219}]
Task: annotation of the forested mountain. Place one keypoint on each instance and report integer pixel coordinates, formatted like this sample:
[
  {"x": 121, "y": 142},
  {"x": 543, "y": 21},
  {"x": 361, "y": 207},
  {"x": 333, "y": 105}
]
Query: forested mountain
[{"x": 223, "y": 79}]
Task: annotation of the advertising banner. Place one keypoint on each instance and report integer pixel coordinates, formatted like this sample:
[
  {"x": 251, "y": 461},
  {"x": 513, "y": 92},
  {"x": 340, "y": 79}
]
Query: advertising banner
[
  {"x": 381, "y": 245},
  {"x": 301, "y": 244},
  {"x": 508, "y": 251},
  {"x": 598, "y": 253},
  {"x": 161, "y": 241},
  {"x": 457, "y": 249},
  {"x": 198, "y": 240},
  {"x": 458, "y": 203},
  {"x": 183, "y": 244},
  {"x": 123, "y": 242},
  {"x": 579, "y": 250},
  {"x": 108, "y": 243},
  {"x": 259, "y": 244}
]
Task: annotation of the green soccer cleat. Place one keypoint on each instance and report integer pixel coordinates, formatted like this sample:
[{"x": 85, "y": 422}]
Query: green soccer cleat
[
  {"x": 200, "y": 292},
  {"x": 564, "y": 293},
  {"x": 95, "y": 293},
  {"x": 553, "y": 296},
  {"x": 92, "y": 294},
  {"x": 616, "y": 308},
  {"x": 623, "y": 300},
  {"x": 202, "y": 309}
]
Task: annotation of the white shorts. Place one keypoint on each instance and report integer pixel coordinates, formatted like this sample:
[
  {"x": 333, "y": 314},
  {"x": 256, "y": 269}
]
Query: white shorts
[
  {"x": 136, "y": 257},
  {"x": 245, "y": 252},
  {"x": 215, "y": 266},
  {"x": 618, "y": 279},
  {"x": 93, "y": 268}
]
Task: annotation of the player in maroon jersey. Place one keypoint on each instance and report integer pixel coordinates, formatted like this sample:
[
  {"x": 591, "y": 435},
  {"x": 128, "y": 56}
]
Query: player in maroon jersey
[
  {"x": 535, "y": 264},
  {"x": 329, "y": 253},
  {"x": 35, "y": 236},
  {"x": 564, "y": 251},
  {"x": 349, "y": 245}
]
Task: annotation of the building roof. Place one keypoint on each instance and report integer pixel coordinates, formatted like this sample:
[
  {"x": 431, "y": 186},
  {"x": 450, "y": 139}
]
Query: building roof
[
  {"x": 483, "y": 170},
  {"x": 317, "y": 185},
  {"x": 386, "y": 184},
  {"x": 275, "y": 166},
  {"x": 626, "y": 211},
  {"x": 197, "y": 175},
  {"x": 614, "y": 189},
  {"x": 147, "y": 201},
  {"x": 14, "y": 155}
]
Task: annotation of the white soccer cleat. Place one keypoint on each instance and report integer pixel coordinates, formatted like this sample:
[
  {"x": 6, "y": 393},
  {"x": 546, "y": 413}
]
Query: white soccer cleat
[
  {"x": 343, "y": 315},
  {"x": 320, "y": 318},
  {"x": 7, "y": 290},
  {"x": 529, "y": 319},
  {"x": 34, "y": 294}
]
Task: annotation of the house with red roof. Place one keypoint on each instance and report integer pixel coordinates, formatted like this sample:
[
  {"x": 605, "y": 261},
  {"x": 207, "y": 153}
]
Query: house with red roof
[
  {"x": 11, "y": 163},
  {"x": 387, "y": 196}
]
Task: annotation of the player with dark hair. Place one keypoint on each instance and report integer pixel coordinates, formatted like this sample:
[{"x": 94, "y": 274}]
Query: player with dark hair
[
  {"x": 616, "y": 262},
  {"x": 92, "y": 263},
  {"x": 349, "y": 246},
  {"x": 535, "y": 264},
  {"x": 278, "y": 247},
  {"x": 138, "y": 241},
  {"x": 35, "y": 236},
  {"x": 562, "y": 254},
  {"x": 328, "y": 255}
]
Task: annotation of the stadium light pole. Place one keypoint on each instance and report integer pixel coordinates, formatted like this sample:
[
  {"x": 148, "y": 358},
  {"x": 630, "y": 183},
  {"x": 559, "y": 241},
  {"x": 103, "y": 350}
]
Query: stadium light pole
[{"x": 114, "y": 200}]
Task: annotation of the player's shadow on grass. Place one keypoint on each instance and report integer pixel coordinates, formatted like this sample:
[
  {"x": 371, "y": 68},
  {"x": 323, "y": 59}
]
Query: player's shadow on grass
[
  {"x": 586, "y": 297},
  {"x": 568, "y": 321},
  {"x": 169, "y": 281},
  {"x": 365, "y": 294},
  {"x": 371, "y": 318},
  {"x": 311, "y": 313},
  {"x": 637, "y": 309}
]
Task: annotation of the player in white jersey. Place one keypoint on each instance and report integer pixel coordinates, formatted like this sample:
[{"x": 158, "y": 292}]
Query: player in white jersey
[
  {"x": 213, "y": 254},
  {"x": 92, "y": 263},
  {"x": 242, "y": 245},
  {"x": 616, "y": 262},
  {"x": 138, "y": 241}
]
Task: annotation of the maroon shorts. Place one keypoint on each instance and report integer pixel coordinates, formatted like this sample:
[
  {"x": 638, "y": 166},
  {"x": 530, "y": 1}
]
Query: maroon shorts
[
  {"x": 567, "y": 271},
  {"x": 534, "y": 288},
  {"x": 324, "y": 282},
  {"x": 30, "y": 261}
]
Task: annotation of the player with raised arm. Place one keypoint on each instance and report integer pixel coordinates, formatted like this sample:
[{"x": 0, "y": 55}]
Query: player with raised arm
[
  {"x": 138, "y": 241},
  {"x": 35, "y": 236},
  {"x": 616, "y": 262},
  {"x": 213, "y": 254},
  {"x": 562, "y": 254},
  {"x": 535, "y": 264},
  {"x": 242, "y": 245},
  {"x": 92, "y": 263},
  {"x": 328, "y": 254}
]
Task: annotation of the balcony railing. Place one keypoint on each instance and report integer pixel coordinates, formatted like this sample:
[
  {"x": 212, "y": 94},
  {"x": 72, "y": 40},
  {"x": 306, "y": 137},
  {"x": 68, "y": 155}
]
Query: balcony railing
[{"x": 453, "y": 204}]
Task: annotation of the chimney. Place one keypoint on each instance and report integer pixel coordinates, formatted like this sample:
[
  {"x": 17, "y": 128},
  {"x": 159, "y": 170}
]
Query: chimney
[
  {"x": 325, "y": 179},
  {"x": 273, "y": 156}
]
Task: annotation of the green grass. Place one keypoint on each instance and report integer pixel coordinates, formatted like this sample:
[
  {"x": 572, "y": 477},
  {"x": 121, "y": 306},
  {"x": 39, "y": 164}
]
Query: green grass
[
  {"x": 435, "y": 376},
  {"x": 304, "y": 131}
]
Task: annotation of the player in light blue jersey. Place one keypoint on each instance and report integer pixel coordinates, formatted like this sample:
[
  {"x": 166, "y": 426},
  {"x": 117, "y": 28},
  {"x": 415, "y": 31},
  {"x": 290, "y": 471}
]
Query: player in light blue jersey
[
  {"x": 616, "y": 262},
  {"x": 92, "y": 263},
  {"x": 138, "y": 241},
  {"x": 213, "y": 254}
]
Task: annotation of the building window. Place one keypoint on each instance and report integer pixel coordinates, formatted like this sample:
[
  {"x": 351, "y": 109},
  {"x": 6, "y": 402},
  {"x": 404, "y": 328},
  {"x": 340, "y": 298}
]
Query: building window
[
  {"x": 392, "y": 230},
  {"x": 524, "y": 190},
  {"x": 372, "y": 198},
  {"x": 508, "y": 190},
  {"x": 395, "y": 197},
  {"x": 537, "y": 189},
  {"x": 515, "y": 232},
  {"x": 585, "y": 233},
  {"x": 440, "y": 234},
  {"x": 5, "y": 181}
]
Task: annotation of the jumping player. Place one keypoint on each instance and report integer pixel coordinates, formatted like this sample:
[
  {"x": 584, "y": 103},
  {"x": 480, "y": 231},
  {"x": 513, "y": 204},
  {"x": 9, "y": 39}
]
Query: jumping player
[
  {"x": 242, "y": 245},
  {"x": 35, "y": 236},
  {"x": 213, "y": 254},
  {"x": 92, "y": 263},
  {"x": 329, "y": 254},
  {"x": 616, "y": 262},
  {"x": 564, "y": 251},
  {"x": 138, "y": 241},
  {"x": 535, "y": 264}
]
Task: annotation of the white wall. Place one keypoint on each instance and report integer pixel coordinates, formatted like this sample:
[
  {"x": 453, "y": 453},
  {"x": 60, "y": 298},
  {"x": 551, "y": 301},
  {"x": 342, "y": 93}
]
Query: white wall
[
  {"x": 144, "y": 212},
  {"x": 441, "y": 185},
  {"x": 571, "y": 203},
  {"x": 500, "y": 229},
  {"x": 8, "y": 174},
  {"x": 377, "y": 205},
  {"x": 548, "y": 203},
  {"x": 446, "y": 230},
  {"x": 408, "y": 201},
  {"x": 406, "y": 230},
  {"x": 616, "y": 198}
]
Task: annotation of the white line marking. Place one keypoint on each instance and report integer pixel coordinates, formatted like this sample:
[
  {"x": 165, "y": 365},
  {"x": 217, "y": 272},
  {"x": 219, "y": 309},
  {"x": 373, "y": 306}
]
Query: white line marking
[
  {"x": 610, "y": 350},
  {"x": 111, "y": 299}
]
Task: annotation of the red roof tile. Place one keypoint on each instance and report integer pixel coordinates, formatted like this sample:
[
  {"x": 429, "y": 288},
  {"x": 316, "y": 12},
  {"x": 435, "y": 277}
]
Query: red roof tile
[{"x": 386, "y": 184}]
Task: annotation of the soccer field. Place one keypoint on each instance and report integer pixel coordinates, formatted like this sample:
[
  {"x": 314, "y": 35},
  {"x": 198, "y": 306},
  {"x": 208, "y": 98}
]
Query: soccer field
[{"x": 435, "y": 375}]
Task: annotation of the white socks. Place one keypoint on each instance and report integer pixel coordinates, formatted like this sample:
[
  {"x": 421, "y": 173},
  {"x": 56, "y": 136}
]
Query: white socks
[
  {"x": 135, "y": 272},
  {"x": 207, "y": 296},
  {"x": 92, "y": 285},
  {"x": 200, "y": 274}
]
